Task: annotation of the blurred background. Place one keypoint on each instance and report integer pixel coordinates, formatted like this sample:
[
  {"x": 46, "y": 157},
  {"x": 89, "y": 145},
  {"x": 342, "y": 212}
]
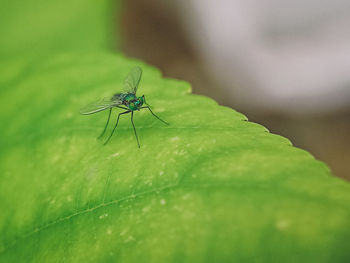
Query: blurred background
[{"x": 284, "y": 64}]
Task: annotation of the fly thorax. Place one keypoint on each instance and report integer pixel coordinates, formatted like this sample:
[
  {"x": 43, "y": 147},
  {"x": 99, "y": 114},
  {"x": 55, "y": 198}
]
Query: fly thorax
[
  {"x": 130, "y": 98},
  {"x": 129, "y": 101},
  {"x": 132, "y": 106}
]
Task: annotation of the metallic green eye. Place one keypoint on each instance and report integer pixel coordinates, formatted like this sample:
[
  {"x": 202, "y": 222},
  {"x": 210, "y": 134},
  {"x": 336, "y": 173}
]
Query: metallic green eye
[{"x": 139, "y": 102}]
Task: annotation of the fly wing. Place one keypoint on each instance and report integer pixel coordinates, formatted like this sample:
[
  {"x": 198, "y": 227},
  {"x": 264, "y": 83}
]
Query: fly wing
[
  {"x": 100, "y": 105},
  {"x": 132, "y": 80}
]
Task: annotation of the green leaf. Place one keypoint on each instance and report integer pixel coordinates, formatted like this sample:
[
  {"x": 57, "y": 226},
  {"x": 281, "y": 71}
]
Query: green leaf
[
  {"x": 41, "y": 26},
  {"x": 211, "y": 187}
]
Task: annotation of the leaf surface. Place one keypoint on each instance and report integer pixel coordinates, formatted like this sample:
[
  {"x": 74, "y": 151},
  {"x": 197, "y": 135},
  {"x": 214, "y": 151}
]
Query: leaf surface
[{"x": 211, "y": 187}]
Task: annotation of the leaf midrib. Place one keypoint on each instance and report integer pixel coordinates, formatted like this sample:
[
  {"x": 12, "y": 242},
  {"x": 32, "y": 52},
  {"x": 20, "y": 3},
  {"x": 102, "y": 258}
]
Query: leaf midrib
[{"x": 299, "y": 195}]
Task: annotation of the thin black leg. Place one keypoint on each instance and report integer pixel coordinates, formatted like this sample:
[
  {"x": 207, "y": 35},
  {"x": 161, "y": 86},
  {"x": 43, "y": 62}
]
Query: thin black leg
[
  {"x": 154, "y": 114},
  {"x": 133, "y": 125},
  {"x": 116, "y": 126},
  {"x": 109, "y": 116},
  {"x": 121, "y": 107}
]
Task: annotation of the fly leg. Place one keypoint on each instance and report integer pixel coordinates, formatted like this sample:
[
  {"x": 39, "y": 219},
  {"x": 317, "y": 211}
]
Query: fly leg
[
  {"x": 116, "y": 126},
  {"x": 133, "y": 125},
  {"x": 109, "y": 116},
  {"x": 147, "y": 107}
]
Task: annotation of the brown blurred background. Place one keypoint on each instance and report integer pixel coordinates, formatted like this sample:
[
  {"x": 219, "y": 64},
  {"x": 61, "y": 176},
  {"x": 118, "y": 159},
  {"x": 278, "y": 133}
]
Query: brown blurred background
[{"x": 154, "y": 32}]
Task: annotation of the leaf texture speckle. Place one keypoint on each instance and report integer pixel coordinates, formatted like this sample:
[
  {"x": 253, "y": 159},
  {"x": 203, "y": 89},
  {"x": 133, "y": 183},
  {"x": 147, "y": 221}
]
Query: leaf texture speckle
[{"x": 211, "y": 187}]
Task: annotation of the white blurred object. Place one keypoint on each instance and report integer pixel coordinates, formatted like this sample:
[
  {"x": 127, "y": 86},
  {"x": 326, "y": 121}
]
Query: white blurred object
[{"x": 286, "y": 55}]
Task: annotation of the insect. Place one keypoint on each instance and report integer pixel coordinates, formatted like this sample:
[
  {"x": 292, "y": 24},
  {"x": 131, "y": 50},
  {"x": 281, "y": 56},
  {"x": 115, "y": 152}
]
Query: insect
[{"x": 127, "y": 101}]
